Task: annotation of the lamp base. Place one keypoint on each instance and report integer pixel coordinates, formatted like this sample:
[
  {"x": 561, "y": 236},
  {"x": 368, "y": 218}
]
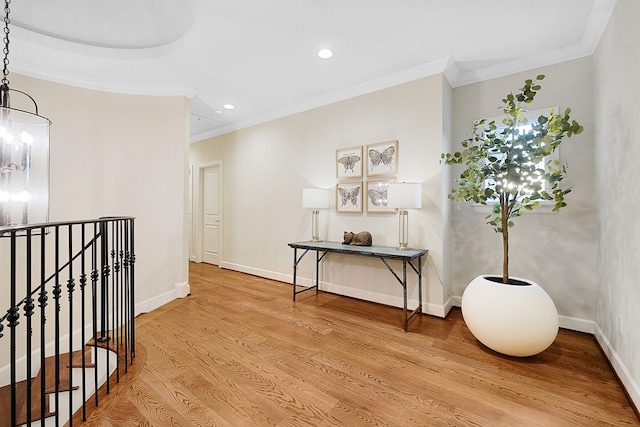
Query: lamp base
[
  {"x": 403, "y": 247},
  {"x": 315, "y": 239}
]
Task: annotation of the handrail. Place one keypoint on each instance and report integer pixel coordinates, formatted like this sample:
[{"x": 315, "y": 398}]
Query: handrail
[{"x": 18, "y": 228}]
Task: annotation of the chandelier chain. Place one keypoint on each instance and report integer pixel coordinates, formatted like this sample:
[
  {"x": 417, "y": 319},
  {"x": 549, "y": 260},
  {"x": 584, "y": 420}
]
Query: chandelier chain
[{"x": 5, "y": 50}]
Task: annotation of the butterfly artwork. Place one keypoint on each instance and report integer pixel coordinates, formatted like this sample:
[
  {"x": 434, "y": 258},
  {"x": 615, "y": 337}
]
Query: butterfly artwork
[
  {"x": 348, "y": 162},
  {"x": 382, "y": 158},
  {"x": 377, "y": 197},
  {"x": 349, "y": 198}
]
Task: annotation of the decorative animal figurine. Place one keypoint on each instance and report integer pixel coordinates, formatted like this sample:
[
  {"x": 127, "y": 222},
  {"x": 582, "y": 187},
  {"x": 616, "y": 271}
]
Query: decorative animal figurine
[{"x": 357, "y": 239}]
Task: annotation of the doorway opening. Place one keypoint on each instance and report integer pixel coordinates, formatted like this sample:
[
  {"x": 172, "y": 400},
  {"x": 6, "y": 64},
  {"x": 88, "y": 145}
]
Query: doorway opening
[{"x": 207, "y": 219}]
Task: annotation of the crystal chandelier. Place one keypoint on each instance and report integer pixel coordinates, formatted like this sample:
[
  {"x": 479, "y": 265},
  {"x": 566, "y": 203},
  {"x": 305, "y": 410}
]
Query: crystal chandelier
[{"x": 24, "y": 155}]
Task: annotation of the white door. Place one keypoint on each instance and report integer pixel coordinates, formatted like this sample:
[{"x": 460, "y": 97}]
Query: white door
[{"x": 211, "y": 216}]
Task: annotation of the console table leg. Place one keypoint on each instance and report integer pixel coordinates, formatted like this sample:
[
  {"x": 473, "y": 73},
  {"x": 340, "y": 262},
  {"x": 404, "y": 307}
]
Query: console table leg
[
  {"x": 295, "y": 268},
  {"x": 318, "y": 259},
  {"x": 420, "y": 283},
  {"x": 404, "y": 295}
]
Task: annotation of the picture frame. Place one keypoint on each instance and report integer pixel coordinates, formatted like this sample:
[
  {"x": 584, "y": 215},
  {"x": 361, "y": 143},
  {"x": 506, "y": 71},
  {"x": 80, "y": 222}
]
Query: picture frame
[
  {"x": 349, "y": 162},
  {"x": 349, "y": 196},
  {"x": 376, "y": 196},
  {"x": 382, "y": 158}
]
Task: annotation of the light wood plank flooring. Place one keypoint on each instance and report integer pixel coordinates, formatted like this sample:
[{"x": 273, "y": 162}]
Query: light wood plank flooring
[{"x": 240, "y": 352}]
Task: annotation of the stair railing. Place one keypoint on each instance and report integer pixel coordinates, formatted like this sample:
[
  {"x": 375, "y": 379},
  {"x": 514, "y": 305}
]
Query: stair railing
[{"x": 69, "y": 287}]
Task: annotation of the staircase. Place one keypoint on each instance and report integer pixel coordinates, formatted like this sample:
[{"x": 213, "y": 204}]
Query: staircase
[
  {"x": 44, "y": 383},
  {"x": 49, "y": 375}
]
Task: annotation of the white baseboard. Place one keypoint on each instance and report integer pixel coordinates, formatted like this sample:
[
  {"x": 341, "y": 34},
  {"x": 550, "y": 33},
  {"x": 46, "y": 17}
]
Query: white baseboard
[
  {"x": 154, "y": 302},
  {"x": 576, "y": 324},
  {"x": 182, "y": 289},
  {"x": 439, "y": 310},
  {"x": 565, "y": 322},
  {"x": 630, "y": 385},
  {"x": 267, "y": 274}
]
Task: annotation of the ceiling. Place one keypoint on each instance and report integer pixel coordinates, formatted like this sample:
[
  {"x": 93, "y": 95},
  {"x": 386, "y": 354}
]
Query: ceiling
[{"x": 261, "y": 56}]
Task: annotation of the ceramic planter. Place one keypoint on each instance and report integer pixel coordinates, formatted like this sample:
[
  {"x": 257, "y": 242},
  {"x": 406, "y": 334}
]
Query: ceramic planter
[{"x": 516, "y": 320}]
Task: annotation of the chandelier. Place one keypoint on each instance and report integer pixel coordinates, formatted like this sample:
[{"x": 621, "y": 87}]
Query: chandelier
[{"x": 24, "y": 154}]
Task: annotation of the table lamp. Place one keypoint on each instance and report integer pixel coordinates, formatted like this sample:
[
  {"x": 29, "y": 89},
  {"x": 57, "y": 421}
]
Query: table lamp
[
  {"x": 404, "y": 195},
  {"x": 315, "y": 198}
]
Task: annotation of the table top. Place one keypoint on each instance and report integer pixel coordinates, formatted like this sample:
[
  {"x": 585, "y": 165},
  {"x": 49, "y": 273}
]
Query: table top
[{"x": 371, "y": 251}]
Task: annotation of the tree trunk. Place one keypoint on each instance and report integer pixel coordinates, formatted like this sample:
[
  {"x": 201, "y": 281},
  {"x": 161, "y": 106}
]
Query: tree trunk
[{"x": 504, "y": 208}]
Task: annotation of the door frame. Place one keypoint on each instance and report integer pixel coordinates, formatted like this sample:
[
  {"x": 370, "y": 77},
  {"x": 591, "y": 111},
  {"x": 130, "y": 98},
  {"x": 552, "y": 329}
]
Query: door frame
[{"x": 198, "y": 206}]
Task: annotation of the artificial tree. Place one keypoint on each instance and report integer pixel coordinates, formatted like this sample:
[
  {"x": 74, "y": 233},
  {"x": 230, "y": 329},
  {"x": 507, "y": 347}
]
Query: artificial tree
[{"x": 504, "y": 163}]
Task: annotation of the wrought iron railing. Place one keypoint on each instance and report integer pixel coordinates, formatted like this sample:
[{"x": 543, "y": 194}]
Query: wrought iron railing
[{"x": 68, "y": 292}]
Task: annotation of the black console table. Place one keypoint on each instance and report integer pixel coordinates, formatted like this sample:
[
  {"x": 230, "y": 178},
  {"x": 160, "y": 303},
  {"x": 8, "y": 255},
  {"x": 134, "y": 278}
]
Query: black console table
[{"x": 412, "y": 257}]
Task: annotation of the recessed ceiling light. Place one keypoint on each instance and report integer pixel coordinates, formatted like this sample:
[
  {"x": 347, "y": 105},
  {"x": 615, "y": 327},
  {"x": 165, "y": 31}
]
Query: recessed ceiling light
[
  {"x": 228, "y": 106},
  {"x": 325, "y": 53}
]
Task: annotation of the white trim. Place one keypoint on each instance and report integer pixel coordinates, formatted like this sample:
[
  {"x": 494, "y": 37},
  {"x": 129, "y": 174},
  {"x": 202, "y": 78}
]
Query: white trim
[
  {"x": 154, "y": 302},
  {"x": 576, "y": 324},
  {"x": 425, "y": 70},
  {"x": 267, "y": 274},
  {"x": 439, "y": 310},
  {"x": 182, "y": 289},
  {"x": 631, "y": 387}
]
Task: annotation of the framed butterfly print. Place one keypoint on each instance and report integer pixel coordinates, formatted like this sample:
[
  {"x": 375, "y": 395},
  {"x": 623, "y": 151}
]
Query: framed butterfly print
[
  {"x": 382, "y": 158},
  {"x": 349, "y": 162},
  {"x": 349, "y": 197},
  {"x": 377, "y": 197}
]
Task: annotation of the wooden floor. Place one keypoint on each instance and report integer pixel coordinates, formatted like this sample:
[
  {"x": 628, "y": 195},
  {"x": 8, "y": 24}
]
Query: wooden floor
[{"x": 240, "y": 352}]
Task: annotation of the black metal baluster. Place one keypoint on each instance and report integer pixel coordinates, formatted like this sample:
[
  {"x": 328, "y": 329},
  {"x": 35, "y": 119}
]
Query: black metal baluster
[
  {"x": 132, "y": 287},
  {"x": 83, "y": 322},
  {"x": 94, "y": 302},
  {"x": 127, "y": 285},
  {"x": 42, "y": 303},
  {"x": 57, "y": 291},
  {"x": 120, "y": 323},
  {"x": 12, "y": 317},
  {"x": 125, "y": 295},
  {"x": 104, "y": 283},
  {"x": 70, "y": 288},
  {"x": 28, "y": 312},
  {"x": 115, "y": 267}
]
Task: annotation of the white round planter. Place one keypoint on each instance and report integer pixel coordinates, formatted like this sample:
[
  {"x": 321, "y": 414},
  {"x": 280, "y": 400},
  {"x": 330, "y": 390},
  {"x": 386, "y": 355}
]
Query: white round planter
[{"x": 516, "y": 320}]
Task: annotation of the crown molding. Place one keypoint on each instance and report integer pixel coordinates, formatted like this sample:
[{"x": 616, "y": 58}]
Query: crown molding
[
  {"x": 405, "y": 76},
  {"x": 596, "y": 25}
]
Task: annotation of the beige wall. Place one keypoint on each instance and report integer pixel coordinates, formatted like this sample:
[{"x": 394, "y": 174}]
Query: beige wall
[
  {"x": 265, "y": 168},
  {"x": 617, "y": 67},
  {"x": 114, "y": 154},
  {"x": 558, "y": 251}
]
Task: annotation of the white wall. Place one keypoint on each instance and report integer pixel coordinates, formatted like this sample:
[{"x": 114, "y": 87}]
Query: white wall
[
  {"x": 265, "y": 168},
  {"x": 114, "y": 154},
  {"x": 557, "y": 251},
  {"x": 617, "y": 67}
]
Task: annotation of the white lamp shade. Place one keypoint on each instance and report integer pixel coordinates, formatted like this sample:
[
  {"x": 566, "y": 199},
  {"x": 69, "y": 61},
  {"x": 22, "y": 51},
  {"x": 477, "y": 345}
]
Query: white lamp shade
[
  {"x": 315, "y": 198},
  {"x": 406, "y": 195}
]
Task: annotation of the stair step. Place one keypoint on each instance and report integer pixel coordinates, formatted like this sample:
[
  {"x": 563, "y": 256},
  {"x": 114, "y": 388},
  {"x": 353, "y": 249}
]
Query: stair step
[
  {"x": 64, "y": 384},
  {"x": 50, "y": 381}
]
